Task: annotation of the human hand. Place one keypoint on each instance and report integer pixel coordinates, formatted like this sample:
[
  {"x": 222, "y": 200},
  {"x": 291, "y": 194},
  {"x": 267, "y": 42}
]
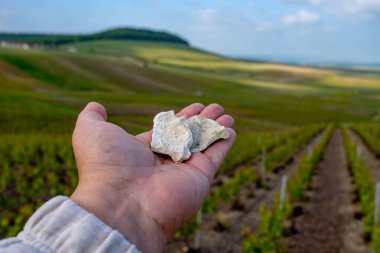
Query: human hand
[{"x": 145, "y": 196}]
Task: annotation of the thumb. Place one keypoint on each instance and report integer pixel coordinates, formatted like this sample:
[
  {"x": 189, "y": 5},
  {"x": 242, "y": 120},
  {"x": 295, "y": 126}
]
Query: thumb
[{"x": 93, "y": 112}]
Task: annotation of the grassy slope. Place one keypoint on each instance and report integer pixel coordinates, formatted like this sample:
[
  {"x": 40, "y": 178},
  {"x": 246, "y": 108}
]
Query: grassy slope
[{"x": 49, "y": 88}]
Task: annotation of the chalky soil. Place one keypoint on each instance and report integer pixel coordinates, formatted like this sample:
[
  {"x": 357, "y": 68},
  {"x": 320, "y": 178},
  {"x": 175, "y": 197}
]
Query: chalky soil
[{"x": 327, "y": 223}]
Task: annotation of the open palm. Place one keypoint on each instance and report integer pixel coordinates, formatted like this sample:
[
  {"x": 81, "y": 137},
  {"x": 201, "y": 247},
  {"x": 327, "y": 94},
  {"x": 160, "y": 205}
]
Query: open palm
[{"x": 135, "y": 183}]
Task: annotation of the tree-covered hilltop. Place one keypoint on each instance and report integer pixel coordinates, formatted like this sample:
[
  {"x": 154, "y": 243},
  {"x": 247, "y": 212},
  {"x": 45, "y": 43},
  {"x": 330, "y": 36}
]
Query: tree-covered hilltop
[{"x": 112, "y": 34}]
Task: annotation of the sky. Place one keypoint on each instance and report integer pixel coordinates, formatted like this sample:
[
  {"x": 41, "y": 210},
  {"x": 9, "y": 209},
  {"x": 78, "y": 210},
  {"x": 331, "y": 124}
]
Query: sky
[{"x": 316, "y": 30}]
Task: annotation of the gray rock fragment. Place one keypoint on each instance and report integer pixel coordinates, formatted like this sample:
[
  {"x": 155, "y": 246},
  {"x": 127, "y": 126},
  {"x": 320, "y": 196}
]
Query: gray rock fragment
[
  {"x": 205, "y": 132},
  {"x": 179, "y": 137},
  {"x": 171, "y": 136}
]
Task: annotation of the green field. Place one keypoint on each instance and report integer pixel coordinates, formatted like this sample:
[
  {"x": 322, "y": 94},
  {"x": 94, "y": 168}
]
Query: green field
[
  {"x": 42, "y": 92},
  {"x": 258, "y": 95}
]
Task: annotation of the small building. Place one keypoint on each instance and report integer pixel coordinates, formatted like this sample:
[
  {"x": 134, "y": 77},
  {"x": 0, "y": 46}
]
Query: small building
[
  {"x": 72, "y": 49},
  {"x": 15, "y": 44},
  {"x": 25, "y": 46},
  {"x": 143, "y": 64}
]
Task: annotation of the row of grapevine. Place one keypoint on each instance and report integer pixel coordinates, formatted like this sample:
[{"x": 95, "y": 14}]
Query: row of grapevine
[
  {"x": 365, "y": 183},
  {"x": 283, "y": 148},
  {"x": 271, "y": 228},
  {"x": 247, "y": 174},
  {"x": 250, "y": 145},
  {"x": 34, "y": 168},
  {"x": 370, "y": 134},
  {"x": 285, "y": 151}
]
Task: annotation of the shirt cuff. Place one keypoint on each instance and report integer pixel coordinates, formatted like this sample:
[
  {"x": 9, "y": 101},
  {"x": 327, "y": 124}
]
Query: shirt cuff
[{"x": 61, "y": 225}]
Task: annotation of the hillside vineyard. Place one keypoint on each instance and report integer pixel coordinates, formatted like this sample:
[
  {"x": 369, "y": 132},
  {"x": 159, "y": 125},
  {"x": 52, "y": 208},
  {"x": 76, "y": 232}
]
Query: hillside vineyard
[{"x": 301, "y": 176}]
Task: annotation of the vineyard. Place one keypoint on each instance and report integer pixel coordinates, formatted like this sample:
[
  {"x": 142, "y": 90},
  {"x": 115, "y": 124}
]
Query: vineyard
[{"x": 301, "y": 176}]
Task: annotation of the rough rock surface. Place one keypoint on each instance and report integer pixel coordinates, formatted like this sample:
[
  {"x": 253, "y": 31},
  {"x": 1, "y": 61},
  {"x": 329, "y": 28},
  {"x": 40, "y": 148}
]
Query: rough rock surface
[
  {"x": 179, "y": 137},
  {"x": 171, "y": 136},
  {"x": 205, "y": 132}
]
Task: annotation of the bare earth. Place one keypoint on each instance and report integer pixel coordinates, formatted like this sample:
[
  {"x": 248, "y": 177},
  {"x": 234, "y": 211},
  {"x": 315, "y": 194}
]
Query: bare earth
[{"x": 327, "y": 223}]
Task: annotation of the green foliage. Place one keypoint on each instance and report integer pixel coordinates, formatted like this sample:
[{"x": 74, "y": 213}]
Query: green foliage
[
  {"x": 291, "y": 143},
  {"x": 227, "y": 191},
  {"x": 250, "y": 145},
  {"x": 370, "y": 133},
  {"x": 113, "y": 34},
  {"x": 230, "y": 189},
  {"x": 365, "y": 185},
  {"x": 33, "y": 169},
  {"x": 21, "y": 113},
  {"x": 268, "y": 237},
  {"x": 375, "y": 244},
  {"x": 40, "y": 68},
  {"x": 297, "y": 185},
  {"x": 187, "y": 230},
  {"x": 270, "y": 230}
]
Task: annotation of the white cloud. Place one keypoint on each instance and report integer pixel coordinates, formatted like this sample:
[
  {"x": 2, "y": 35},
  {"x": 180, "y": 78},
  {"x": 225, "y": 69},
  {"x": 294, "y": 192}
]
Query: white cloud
[
  {"x": 221, "y": 21},
  {"x": 212, "y": 21},
  {"x": 351, "y": 8},
  {"x": 301, "y": 17},
  {"x": 364, "y": 7}
]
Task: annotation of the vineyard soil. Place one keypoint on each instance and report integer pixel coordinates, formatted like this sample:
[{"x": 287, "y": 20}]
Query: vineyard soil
[{"x": 327, "y": 223}]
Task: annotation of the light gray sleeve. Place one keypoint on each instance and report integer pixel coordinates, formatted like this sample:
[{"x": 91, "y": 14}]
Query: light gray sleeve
[{"x": 60, "y": 225}]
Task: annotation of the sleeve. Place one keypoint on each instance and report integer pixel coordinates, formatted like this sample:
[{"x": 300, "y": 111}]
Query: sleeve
[{"x": 61, "y": 225}]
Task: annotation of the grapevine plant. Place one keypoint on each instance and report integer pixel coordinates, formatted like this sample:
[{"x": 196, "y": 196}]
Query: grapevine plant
[{"x": 271, "y": 228}]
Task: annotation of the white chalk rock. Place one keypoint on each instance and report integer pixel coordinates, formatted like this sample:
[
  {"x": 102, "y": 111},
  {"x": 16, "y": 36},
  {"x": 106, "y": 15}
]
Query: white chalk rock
[
  {"x": 171, "y": 136},
  {"x": 179, "y": 137},
  {"x": 205, "y": 132}
]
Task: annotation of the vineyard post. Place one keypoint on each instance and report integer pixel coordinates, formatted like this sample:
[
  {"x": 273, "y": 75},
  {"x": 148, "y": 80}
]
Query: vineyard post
[
  {"x": 377, "y": 203},
  {"x": 309, "y": 151},
  {"x": 359, "y": 151},
  {"x": 284, "y": 181},
  {"x": 262, "y": 167},
  {"x": 197, "y": 238}
]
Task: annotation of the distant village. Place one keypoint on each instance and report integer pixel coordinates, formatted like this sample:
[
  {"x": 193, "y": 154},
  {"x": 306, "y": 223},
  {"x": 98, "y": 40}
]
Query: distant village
[
  {"x": 12, "y": 44},
  {"x": 70, "y": 49},
  {"x": 26, "y": 46}
]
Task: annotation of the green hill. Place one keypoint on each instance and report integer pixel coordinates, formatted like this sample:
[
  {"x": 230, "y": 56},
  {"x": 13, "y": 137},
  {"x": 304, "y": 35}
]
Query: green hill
[
  {"x": 43, "y": 90},
  {"x": 112, "y": 34},
  {"x": 149, "y": 51}
]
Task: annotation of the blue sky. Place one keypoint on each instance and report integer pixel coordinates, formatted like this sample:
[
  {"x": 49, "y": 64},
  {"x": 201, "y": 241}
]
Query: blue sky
[{"x": 323, "y": 30}]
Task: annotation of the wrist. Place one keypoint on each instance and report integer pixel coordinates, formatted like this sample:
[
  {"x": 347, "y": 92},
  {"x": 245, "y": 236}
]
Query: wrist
[{"x": 120, "y": 212}]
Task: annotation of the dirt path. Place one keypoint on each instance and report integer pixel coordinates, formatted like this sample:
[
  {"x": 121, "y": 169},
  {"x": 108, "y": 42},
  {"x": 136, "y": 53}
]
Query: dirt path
[
  {"x": 369, "y": 158},
  {"x": 327, "y": 223}
]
